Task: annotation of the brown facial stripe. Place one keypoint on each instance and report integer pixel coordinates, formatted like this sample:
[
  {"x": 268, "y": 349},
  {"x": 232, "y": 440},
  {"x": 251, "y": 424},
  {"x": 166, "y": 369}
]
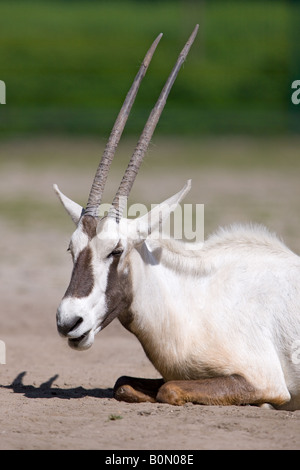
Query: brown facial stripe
[
  {"x": 82, "y": 280},
  {"x": 118, "y": 295},
  {"x": 89, "y": 226}
]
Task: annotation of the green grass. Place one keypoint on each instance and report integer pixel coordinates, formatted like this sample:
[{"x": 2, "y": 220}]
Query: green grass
[
  {"x": 113, "y": 417},
  {"x": 68, "y": 65}
]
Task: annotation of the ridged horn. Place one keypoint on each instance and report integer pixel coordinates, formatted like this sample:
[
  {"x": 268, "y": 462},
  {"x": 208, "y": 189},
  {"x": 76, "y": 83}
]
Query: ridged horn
[
  {"x": 100, "y": 178},
  {"x": 122, "y": 194}
]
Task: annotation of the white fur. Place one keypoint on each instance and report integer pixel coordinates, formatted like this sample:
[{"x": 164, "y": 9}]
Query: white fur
[{"x": 231, "y": 307}]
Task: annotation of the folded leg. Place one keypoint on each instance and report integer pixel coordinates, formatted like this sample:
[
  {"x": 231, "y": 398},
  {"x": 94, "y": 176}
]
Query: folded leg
[
  {"x": 227, "y": 390},
  {"x": 136, "y": 390}
]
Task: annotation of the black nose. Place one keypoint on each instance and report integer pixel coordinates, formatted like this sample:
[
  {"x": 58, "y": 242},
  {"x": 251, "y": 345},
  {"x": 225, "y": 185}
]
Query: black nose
[{"x": 65, "y": 329}]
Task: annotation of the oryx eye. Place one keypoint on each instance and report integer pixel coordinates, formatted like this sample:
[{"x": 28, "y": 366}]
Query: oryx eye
[{"x": 117, "y": 252}]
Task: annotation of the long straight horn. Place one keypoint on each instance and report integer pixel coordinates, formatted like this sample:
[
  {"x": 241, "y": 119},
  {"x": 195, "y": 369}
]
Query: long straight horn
[
  {"x": 98, "y": 185},
  {"x": 120, "y": 199}
]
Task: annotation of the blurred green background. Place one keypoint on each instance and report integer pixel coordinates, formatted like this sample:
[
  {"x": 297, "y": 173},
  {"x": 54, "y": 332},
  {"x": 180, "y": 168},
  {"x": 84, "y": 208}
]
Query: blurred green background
[
  {"x": 229, "y": 122},
  {"x": 68, "y": 65}
]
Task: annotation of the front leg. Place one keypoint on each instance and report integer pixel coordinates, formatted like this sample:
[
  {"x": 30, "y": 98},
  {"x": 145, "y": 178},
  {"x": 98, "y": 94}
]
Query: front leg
[
  {"x": 227, "y": 390},
  {"x": 136, "y": 390}
]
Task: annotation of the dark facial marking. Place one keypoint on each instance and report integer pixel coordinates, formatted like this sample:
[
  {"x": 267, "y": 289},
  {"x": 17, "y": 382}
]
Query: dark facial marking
[
  {"x": 118, "y": 295},
  {"x": 89, "y": 226},
  {"x": 82, "y": 280}
]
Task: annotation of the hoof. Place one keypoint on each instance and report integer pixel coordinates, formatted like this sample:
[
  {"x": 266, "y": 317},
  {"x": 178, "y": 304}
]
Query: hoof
[{"x": 123, "y": 391}]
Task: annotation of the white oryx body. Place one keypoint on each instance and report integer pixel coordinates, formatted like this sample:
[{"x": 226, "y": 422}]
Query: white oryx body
[
  {"x": 222, "y": 319},
  {"x": 231, "y": 308}
]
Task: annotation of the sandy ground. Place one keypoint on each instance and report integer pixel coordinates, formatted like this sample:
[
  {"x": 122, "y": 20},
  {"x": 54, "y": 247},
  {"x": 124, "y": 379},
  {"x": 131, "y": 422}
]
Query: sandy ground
[{"x": 53, "y": 397}]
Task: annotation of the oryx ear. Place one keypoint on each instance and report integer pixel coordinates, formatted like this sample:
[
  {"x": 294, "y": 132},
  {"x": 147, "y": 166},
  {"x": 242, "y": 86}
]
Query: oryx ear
[
  {"x": 154, "y": 219},
  {"x": 73, "y": 209}
]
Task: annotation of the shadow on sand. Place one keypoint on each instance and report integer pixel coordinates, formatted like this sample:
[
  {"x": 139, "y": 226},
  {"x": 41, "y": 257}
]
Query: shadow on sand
[{"x": 45, "y": 390}]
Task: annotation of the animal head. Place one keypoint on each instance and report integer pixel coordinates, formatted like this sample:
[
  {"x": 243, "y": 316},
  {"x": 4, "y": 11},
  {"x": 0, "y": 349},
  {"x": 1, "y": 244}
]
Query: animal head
[{"x": 101, "y": 248}]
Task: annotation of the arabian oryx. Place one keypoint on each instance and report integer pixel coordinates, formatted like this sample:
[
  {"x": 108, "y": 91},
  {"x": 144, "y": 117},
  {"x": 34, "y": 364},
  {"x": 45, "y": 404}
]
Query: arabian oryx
[{"x": 220, "y": 323}]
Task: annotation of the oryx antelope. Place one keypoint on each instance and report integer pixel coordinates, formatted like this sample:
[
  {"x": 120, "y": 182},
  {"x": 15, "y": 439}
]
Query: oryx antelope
[{"x": 219, "y": 323}]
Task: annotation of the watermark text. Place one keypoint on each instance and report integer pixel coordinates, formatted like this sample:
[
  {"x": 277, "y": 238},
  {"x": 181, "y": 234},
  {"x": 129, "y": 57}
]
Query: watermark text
[
  {"x": 184, "y": 222},
  {"x": 2, "y": 92},
  {"x": 296, "y": 94},
  {"x": 2, "y": 352},
  {"x": 295, "y": 354}
]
